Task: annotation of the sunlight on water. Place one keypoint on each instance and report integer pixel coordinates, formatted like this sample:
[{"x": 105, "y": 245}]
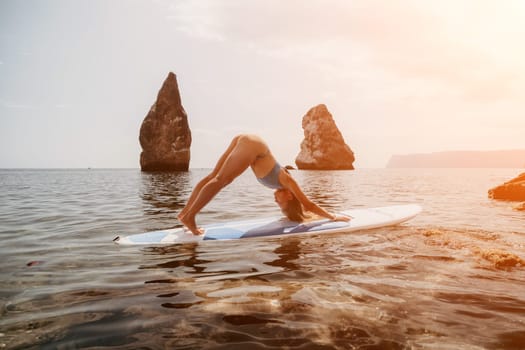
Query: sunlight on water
[{"x": 452, "y": 278}]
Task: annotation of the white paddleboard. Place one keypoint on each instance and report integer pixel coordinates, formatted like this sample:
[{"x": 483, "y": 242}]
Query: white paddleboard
[{"x": 362, "y": 219}]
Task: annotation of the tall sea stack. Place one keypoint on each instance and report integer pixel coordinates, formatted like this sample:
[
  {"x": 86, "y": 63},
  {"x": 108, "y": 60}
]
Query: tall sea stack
[
  {"x": 165, "y": 135},
  {"x": 323, "y": 147}
]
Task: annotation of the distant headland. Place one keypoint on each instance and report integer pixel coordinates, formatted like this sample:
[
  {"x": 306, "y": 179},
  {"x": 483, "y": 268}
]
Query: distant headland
[{"x": 460, "y": 159}]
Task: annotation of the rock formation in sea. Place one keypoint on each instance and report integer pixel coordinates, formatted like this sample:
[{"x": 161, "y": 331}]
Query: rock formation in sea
[
  {"x": 165, "y": 135},
  {"x": 323, "y": 147},
  {"x": 513, "y": 190}
]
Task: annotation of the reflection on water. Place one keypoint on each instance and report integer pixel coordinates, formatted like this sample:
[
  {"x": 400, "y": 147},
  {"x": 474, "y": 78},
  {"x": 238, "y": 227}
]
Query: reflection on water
[
  {"x": 327, "y": 188},
  {"x": 165, "y": 192},
  {"x": 452, "y": 278}
]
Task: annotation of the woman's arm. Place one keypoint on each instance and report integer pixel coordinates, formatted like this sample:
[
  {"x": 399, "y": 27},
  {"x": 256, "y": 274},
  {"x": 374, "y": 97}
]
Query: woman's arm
[{"x": 289, "y": 183}]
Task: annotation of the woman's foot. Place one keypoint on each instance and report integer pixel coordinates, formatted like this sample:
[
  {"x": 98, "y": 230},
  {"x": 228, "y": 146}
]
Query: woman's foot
[{"x": 189, "y": 222}]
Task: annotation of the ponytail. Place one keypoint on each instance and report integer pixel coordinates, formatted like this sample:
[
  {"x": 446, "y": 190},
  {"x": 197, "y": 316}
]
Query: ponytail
[{"x": 294, "y": 210}]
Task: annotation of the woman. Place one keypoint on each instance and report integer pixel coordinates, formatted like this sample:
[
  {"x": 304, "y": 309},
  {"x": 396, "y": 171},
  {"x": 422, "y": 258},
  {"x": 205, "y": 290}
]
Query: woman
[{"x": 251, "y": 151}]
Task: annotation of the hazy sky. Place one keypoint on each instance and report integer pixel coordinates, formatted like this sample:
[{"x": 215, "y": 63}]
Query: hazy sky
[{"x": 78, "y": 77}]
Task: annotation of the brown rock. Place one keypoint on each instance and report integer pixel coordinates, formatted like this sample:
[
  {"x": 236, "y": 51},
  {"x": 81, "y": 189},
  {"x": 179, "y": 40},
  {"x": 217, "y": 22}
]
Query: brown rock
[
  {"x": 513, "y": 190},
  {"x": 502, "y": 259},
  {"x": 165, "y": 135},
  {"x": 323, "y": 147}
]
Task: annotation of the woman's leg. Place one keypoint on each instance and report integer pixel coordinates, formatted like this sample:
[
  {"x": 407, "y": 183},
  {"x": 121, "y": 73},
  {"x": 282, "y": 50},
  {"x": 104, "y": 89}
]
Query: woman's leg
[
  {"x": 208, "y": 177},
  {"x": 236, "y": 162}
]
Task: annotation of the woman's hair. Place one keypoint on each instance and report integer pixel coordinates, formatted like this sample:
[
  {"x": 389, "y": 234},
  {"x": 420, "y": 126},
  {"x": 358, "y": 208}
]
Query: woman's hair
[{"x": 294, "y": 210}]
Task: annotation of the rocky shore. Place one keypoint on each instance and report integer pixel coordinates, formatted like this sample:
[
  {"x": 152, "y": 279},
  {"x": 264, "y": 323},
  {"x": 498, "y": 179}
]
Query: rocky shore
[{"x": 512, "y": 190}]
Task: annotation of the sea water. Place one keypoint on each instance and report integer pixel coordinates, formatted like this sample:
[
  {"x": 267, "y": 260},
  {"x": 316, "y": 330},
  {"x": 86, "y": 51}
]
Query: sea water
[{"x": 452, "y": 278}]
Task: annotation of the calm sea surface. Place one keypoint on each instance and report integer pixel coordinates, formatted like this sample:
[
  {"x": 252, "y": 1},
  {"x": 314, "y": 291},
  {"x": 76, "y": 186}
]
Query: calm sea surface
[{"x": 452, "y": 278}]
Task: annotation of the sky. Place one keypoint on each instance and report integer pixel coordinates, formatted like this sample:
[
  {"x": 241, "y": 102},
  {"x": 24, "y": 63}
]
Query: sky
[{"x": 78, "y": 77}]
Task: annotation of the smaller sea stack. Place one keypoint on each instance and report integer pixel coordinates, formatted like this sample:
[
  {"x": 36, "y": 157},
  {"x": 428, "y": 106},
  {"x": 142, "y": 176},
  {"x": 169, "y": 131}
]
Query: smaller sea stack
[{"x": 323, "y": 147}]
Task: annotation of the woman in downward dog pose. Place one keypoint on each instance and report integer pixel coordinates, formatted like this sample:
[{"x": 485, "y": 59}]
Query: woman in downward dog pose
[{"x": 251, "y": 151}]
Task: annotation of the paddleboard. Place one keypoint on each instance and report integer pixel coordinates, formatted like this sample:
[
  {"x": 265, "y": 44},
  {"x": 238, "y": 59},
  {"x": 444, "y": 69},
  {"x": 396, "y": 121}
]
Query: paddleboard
[{"x": 362, "y": 219}]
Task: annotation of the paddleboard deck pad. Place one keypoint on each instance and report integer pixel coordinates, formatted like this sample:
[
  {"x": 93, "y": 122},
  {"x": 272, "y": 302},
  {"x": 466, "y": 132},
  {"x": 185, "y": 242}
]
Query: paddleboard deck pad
[{"x": 362, "y": 219}]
